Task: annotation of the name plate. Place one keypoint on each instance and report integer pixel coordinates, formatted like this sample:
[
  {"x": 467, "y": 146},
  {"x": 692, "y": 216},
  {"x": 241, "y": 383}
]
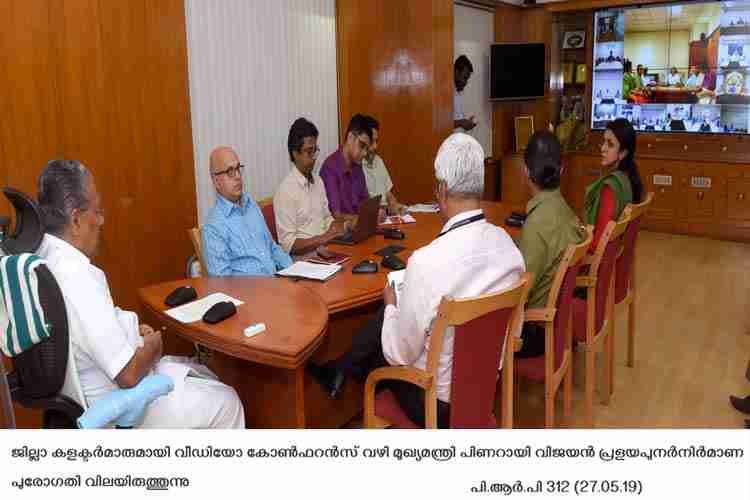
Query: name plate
[
  {"x": 662, "y": 180},
  {"x": 700, "y": 182}
]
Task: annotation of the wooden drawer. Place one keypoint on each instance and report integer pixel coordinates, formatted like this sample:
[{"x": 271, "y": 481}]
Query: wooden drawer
[
  {"x": 703, "y": 192},
  {"x": 738, "y": 198},
  {"x": 661, "y": 178}
]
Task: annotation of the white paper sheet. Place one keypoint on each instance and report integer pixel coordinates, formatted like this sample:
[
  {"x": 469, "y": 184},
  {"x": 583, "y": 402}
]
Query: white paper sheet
[
  {"x": 302, "y": 269},
  {"x": 194, "y": 311}
]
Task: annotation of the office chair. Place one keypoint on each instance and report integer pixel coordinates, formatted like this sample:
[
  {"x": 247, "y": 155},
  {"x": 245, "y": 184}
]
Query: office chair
[{"x": 45, "y": 372}]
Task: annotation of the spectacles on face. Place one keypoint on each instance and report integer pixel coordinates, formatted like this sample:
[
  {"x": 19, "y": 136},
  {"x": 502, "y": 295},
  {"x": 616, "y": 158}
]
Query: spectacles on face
[
  {"x": 231, "y": 171},
  {"x": 363, "y": 144},
  {"x": 311, "y": 152}
]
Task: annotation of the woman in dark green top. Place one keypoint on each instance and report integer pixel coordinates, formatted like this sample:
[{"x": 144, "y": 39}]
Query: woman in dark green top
[
  {"x": 550, "y": 227},
  {"x": 621, "y": 183}
]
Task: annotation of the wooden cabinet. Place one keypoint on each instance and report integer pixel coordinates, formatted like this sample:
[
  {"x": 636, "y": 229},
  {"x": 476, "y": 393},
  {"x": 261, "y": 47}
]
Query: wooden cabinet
[
  {"x": 576, "y": 177},
  {"x": 738, "y": 196},
  {"x": 661, "y": 178},
  {"x": 515, "y": 186},
  {"x": 703, "y": 191}
]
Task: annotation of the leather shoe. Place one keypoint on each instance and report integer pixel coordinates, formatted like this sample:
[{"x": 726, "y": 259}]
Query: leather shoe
[
  {"x": 329, "y": 376},
  {"x": 741, "y": 404}
]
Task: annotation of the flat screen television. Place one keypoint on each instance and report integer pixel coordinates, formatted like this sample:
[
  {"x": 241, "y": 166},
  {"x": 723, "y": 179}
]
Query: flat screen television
[
  {"x": 517, "y": 71},
  {"x": 681, "y": 67}
]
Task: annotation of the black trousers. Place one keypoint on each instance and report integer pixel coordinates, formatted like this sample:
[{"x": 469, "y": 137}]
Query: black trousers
[
  {"x": 533, "y": 341},
  {"x": 366, "y": 355}
]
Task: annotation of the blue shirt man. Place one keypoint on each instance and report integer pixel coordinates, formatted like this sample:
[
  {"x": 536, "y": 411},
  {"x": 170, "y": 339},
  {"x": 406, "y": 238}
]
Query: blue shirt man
[{"x": 236, "y": 240}]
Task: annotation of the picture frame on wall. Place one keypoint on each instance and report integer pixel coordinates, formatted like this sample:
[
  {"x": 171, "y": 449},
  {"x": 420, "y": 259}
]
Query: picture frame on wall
[
  {"x": 524, "y": 128},
  {"x": 574, "y": 39},
  {"x": 581, "y": 73}
]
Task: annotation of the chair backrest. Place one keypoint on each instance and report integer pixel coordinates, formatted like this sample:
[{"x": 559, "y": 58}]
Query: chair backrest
[
  {"x": 29, "y": 231},
  {"x": 603, "y": 266},
  {"x": 481, "y": 328},
  {"x": 195, "y": 236},
  {"x": 266, "y": 207},
  {"x": 561, "y": 293},
  {"x": 623, "y": 273},
  {"x": 41, "y": 369}
]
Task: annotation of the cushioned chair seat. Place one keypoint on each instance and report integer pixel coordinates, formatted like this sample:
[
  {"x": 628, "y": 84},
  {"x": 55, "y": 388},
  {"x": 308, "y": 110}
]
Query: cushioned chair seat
[
  {"x": 531, "y": 368},
  {"x": 579, "y": 319},
  {"x": 388, "y": 408}
]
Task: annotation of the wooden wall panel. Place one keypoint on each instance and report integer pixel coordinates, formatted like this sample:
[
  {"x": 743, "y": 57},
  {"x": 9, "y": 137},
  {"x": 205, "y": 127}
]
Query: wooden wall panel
[
  {"x": 395, "y": 62},
  {"x": 106, "y": 83},
  {"x": 30, "y": 120},
  {"x": 521, "y": 25}
]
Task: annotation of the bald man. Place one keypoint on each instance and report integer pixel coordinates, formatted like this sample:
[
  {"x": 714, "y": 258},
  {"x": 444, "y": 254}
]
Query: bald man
[{"x": 236, "y": 240}]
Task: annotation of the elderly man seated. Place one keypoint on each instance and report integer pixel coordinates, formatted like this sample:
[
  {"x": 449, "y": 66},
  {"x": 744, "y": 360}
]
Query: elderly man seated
[
  {"x": 481, "y": 258},
  {"x": 109, "y": 348},
  {"x": 236, "y": 239}
]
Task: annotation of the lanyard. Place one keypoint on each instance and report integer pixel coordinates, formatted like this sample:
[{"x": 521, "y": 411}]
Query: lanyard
[{"x": 464, "y": 222}]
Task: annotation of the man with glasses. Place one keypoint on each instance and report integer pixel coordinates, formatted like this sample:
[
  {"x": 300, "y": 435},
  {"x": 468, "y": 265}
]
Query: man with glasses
[
  {"x": 342, "y": 174},
  {"x": 236, "y": 239},
  {"x": 378, "y": 179},
  {"x": 303, "y": 219}
]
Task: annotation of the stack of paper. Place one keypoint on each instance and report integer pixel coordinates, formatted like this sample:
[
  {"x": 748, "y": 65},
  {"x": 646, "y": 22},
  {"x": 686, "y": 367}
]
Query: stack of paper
[
  {"x": 424, "y": 207},
  {"x": 310, "y": 271}
]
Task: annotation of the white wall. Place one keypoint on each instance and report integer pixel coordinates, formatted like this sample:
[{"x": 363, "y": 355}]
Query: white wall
[
  {"x": 254, "y": 67},
  {"x": 659, "y": 51},
  {"x": 473, "y": 33}
]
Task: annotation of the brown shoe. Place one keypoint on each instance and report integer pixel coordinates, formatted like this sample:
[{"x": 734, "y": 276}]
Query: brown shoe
[{"x": 741, "y": 404}]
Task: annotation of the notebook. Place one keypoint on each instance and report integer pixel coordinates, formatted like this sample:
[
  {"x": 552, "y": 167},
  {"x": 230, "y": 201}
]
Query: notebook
[
  {"x": 329, "y": 257},
  {"x": 310, "y": 271}
]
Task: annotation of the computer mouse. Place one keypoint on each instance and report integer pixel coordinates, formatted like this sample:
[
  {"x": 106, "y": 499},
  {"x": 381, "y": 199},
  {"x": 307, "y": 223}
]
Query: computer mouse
[
  {"x": 366, "y": 266},
  {"x": 181, "y": 296},
  {"x": 219, "y": 312},
  {"x": 393, "y": 262}
]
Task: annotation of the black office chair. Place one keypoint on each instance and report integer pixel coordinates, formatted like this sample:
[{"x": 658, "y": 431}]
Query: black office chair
[{"x": 39, "y": 372}]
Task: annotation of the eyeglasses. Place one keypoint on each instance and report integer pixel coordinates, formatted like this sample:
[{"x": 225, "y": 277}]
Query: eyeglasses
[
  {"x": 311, "y": 152},
  {"x": 363, "y": 144},
  {"x": 231, "y": 171}
]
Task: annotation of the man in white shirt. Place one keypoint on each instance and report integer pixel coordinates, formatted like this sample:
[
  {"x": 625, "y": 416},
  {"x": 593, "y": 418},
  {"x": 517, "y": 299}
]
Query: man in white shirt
[
  {"x": 110, "y": 350},
  {"x": 303, "y": 219},
  {"x": 378, "y": 179},
  {"x": 462, "y": 70},
  {"x": 674, "y": 79},
  {"x": 470, "y": 257}
]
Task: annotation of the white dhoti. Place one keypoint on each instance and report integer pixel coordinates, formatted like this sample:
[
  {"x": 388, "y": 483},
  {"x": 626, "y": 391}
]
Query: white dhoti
[{"x": 198, "y": 401}]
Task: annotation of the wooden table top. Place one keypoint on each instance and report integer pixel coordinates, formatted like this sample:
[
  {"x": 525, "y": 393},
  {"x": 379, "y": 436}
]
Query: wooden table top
[
  {"x": 295, "y": 318},
  {"x": 295, "y": 313},
  {"x": 346, "y": 290}
]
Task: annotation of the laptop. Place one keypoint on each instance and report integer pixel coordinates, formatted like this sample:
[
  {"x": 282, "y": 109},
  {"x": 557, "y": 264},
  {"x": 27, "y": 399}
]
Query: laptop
[{"x": 367, "y": 223}]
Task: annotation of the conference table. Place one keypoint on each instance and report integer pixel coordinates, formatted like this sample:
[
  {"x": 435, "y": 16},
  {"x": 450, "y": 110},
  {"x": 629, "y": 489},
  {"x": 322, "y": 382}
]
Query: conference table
[{"x": 305, "y": 321}]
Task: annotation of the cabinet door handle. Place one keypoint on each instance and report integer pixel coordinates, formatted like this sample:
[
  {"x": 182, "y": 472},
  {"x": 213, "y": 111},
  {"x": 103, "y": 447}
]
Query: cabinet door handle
[
  {"x": 685, "y": 147},
  {"x": 662, "y": 190},
  {"x": 740, "y": 196},
  {"x": 701, "y": 194},
  {"x": 723, "y": 149}
]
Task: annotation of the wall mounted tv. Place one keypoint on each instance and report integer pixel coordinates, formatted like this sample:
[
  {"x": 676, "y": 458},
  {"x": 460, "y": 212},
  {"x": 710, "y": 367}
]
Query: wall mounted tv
[
  {"x": 681, "y": 67},
  {"x": 517, "y": 71}
]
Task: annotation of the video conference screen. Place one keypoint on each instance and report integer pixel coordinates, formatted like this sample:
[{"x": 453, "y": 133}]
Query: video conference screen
[{"x": 675, "y": 68}]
